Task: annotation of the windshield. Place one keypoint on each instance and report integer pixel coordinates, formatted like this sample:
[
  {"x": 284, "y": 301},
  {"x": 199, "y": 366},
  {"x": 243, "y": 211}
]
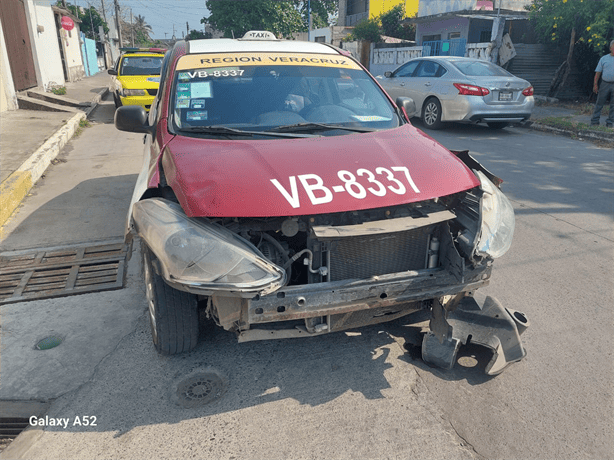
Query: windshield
[
  {"x": 140, "y": 65},
  {"x": 480, "y": 69},
  {"x": 292, "y": 91}
]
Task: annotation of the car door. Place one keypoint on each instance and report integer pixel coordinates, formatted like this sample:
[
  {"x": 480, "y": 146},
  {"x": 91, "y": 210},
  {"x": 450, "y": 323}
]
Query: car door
[
  {"x": 427, "y": 81},
  {"x": 399, "y": 82}
]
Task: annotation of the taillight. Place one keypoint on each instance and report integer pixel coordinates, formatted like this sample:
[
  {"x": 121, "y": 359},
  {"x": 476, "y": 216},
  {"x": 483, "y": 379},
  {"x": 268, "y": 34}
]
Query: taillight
[
  {"x": 471, "y": 90},
  {"x": 528, "y": 91}
]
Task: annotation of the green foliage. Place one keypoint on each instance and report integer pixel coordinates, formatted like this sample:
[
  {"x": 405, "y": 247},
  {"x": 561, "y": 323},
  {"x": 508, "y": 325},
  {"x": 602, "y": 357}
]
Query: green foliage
[
  {"x": 232, "y": 17},
  {"x": 60, "y": 90},
  {"x": 391, "y": 24},
  {"x": 321, "y": 11},
  {"x": 197, "y": 34},
  {"x": 90, "y": 19},
  {"x": 554, "y": 20},
  {"x": 367, "y": 29}
]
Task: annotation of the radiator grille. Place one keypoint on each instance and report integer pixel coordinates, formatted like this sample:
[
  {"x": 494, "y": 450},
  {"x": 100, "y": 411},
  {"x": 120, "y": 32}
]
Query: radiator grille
[{"x": 366, "y": 256}]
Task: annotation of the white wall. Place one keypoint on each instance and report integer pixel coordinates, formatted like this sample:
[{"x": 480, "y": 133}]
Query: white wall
[
  {"x": 45, "y": 47},
  {"x": 8, "y": 99},
  {"x": 72, "y": 53},
  {"x": 430, "y": 7}
]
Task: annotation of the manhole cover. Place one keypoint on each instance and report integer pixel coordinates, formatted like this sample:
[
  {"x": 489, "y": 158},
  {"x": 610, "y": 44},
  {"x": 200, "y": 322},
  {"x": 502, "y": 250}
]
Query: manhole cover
[
  {"x": 61, "y": 271},
  {"x": 48, "y": 343},
  {"x": 198, "y": 388}
]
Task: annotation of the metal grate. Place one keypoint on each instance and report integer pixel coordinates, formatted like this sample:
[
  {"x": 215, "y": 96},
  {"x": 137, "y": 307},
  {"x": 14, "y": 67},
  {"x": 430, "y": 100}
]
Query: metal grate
[
  {"x": 56, "y": 272},
  {"x": 365, "y": 256},
  {"x": 10, "y": 427}
]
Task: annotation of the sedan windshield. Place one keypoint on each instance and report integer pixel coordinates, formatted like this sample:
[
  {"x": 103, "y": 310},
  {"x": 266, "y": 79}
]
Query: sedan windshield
[{"x": 305, "y": 98}]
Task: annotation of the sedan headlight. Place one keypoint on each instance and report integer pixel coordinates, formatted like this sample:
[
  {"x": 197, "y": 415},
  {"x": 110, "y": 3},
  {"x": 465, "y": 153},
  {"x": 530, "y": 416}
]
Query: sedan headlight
[
  {"x": 135, "y": 92},
  {"x": 203, "y": 254},
  {"x": 498, "y": 220}
]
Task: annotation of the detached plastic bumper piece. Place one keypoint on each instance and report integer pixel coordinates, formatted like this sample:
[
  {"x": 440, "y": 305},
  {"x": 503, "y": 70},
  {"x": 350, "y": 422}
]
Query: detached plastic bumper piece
[{"x": 489, "y": 324}]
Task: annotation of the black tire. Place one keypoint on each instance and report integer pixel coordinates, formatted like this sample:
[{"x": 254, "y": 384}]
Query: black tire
[
  {"x": 173, "y": 314},
  {"x": 431, "y": 114},
  {"x": 117, "y": 100},
  {"x": 497, "y": 124}
]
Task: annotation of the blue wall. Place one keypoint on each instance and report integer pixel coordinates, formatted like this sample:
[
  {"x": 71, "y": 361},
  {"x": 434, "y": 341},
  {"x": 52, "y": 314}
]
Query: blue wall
[{"x": 90, "y": 59}]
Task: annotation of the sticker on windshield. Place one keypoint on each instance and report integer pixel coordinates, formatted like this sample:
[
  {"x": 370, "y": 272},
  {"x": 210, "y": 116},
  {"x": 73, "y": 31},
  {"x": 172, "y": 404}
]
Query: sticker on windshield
[
  {"x": 370, "y": 118},
  {"x": 196, "y": 115},
  {"x": 197, "y": 103},
  {"x": 201, "y": 89},
  {"x": 195, "y": 61},
  {"x": 183, "y": 104},
  {"x": 377, "y": 183}
]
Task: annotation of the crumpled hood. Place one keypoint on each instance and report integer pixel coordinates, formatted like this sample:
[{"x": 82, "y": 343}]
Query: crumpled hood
[{"x": 291, "y": 177}]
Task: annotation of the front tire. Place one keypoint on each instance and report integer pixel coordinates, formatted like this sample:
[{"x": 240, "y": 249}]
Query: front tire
[
  {"x": 431, "y": 114},
  {"x": 173, "y": 314}
]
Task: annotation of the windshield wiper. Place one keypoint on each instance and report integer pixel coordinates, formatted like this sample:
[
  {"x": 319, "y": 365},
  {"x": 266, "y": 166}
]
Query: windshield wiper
[
  {"x": 310, "y": 126},
  {"x": 224, "y": 130}
]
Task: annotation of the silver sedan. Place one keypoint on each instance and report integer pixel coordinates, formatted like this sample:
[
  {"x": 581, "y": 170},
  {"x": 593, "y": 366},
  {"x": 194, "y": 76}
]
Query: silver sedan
[{"x": 449, "y": 88}]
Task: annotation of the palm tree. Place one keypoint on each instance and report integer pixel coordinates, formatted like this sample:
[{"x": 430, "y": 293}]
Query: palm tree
[{"x": 141, "y": 26}]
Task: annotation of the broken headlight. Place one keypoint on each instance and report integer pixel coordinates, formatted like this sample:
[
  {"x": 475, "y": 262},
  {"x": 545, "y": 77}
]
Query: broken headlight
[
  {"x": 203, "y": 254},
  {"x": 498, "y": 220}
]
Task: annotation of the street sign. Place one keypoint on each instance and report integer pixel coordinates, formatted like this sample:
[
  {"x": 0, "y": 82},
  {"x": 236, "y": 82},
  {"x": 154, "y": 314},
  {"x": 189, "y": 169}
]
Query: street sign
[{"x": 67, "y": 23}]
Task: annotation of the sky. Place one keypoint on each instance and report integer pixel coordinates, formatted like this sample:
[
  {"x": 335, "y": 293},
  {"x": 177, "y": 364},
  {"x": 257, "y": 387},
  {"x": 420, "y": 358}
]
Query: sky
[{"x": 159, "y": 14}]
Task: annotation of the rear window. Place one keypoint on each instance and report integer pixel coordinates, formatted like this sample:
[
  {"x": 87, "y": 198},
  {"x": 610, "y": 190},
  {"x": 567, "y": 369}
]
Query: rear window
[
  {"x": 140, "y": 65},
  {"x": 267, "y": 90},
  {"x": 480, "y": 69}
]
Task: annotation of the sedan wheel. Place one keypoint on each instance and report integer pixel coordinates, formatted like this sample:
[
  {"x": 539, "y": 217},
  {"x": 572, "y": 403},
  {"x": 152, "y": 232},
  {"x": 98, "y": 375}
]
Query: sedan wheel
[
  {"x": 173, "y": 314},
  {"x": 431, "y": 114}
]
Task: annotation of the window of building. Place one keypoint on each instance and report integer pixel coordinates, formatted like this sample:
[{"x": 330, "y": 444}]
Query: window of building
[
  {"x": 453, "y": 35},
  {"x": 321, "y": 39},
  {"x": 485, "y": 36},
  {"x": 431, "y": 38},
  {"x": 357, "y": 7}
]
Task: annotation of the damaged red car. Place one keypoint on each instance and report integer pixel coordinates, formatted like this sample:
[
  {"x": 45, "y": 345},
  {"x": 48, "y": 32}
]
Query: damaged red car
[{"x": 284, "y": 194}]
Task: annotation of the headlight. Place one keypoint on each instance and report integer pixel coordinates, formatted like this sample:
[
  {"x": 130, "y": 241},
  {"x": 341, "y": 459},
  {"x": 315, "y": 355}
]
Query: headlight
[
  {"x": 203, "y": 254},
  {"x": 498, "y": 220},
  {"x": 135, "y": 92}
]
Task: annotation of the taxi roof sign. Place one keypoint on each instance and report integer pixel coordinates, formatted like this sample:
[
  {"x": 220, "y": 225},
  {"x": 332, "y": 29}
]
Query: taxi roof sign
[{"x": 259, "y": 35}]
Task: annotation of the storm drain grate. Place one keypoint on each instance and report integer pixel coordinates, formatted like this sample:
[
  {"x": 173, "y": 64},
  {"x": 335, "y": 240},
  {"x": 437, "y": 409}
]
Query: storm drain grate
[
  {"x": 10, "y": 427},
  {"x": 198, "y": 388},
  {"x": 61, "y": 271}
]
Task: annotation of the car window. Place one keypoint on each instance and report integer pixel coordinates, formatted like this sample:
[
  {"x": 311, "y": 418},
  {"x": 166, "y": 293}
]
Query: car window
[
  {"x": 274, "y": 90},
  {"x": 480, "y": 69},
  {"x": 140, "y": 65},
  {"x": 407, "y": 69},
  {"x": 429, "y": 69}
]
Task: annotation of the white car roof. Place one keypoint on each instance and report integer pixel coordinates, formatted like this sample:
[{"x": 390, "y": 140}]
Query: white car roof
[{"x": 229, "y": 45}]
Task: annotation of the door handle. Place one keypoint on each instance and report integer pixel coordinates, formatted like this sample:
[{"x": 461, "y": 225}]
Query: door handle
[
  {"x": 428, "y": 83},
  {"x": 402, "y": 84}
]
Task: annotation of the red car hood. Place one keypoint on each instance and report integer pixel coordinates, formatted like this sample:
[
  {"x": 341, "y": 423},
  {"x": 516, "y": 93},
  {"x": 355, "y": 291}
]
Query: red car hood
[{"x": 291, "y": 177}]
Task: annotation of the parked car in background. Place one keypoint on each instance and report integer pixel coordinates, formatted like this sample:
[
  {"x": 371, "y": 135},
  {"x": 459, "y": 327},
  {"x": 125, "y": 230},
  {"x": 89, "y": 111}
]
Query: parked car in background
[
  {"x": 450, "y": 88},
  {"x": 136, "y": 76},
  {"x": 285, "y": 195}
]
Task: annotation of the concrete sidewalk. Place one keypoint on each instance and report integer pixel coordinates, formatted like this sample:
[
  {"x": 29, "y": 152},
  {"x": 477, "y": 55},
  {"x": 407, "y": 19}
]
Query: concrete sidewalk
[{"x": 31, "y": 139}]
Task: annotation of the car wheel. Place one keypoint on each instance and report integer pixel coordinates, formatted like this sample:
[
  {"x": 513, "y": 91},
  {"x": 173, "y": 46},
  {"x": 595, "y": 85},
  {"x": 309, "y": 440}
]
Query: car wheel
[
  {"x": 117, "y": 100},
  {"x": 431, "y": 114},
  {"x": 497, "y": 124},
  {"x": 173, "y": 314}
]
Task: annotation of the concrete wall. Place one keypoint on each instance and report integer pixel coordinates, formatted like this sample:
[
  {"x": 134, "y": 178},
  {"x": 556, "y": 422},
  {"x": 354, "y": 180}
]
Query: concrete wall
[
  {"x": 88, "y": 53},
  {"x": 72, "y": 53},
  {"x": 377, "y": 7},
  {"x": 45, "y": 47},
  {"x": 8, "y": 99},
  {"x": 430, "y": 7},
  {"x": 443, "y": 28}
]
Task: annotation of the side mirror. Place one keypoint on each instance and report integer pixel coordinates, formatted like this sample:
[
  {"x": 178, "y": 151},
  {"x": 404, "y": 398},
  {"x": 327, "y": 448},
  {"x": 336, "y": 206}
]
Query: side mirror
[
  {"x": 133, "y": 118},
  {"x": 387, "y": 74},
  {"x": 112, "y": 72},
  {"x": 408, "y": 104}
]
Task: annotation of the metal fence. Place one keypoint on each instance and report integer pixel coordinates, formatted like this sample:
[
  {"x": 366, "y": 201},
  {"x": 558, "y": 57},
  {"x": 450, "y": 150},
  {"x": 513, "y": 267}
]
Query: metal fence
[{"x": 454, "y": 47}]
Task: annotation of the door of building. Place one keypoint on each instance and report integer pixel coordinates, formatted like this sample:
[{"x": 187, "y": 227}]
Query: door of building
[{"x": 18, "y": 45}]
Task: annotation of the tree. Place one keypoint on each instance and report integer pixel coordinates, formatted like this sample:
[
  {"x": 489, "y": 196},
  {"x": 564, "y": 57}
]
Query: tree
[
  {"x": 89, "y": 17},
  {"x": 322, "y": 11},
  {"x": 367, "y": 29},
  {"x": 234, "y": 18},
  {"x": 587, "y": 23},
  {"x": 391, "y": 24},
  {"x": 197, "y": 34}
]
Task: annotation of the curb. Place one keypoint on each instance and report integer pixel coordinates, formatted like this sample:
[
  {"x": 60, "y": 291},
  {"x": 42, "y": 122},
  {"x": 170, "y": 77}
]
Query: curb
[
  {"x": 590, "y": 135},
  {"x": 16, "y": 187}
]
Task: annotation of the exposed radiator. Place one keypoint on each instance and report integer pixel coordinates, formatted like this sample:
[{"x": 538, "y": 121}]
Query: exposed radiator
[{"x": 366, "y": 256}]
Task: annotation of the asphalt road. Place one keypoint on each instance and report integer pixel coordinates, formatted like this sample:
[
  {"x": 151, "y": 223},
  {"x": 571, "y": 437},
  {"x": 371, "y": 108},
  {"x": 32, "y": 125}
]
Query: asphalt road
[{"x": 366, "y": 395}]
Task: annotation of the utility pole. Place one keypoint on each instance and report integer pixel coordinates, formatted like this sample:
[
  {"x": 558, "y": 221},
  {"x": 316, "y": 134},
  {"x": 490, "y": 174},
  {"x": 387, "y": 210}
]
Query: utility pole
[
  {"x": 187, "y": 28},
  {"x": 131, "y": 28},
  {"x": 117, "y": 24},
  {"x": 309, "y": 20},
  {"x": 174, "y": 32},
  {"x": 104, "y": 15}
]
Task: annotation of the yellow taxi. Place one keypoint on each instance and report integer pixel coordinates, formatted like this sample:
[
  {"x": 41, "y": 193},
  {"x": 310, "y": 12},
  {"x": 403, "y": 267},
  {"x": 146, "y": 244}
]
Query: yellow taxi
[{"x": 136, "y": 76}]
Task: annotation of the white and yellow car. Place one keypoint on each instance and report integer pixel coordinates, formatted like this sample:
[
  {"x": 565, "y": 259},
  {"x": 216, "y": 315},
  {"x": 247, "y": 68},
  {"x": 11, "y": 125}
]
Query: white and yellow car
[{"x": 136, "y": 76}]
